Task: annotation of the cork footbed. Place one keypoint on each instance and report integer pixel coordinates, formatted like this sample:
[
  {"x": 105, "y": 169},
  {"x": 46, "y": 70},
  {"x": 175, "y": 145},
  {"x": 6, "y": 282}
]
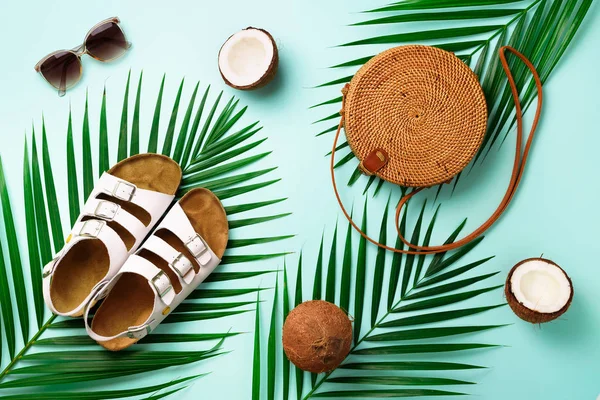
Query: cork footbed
[
  {"x": 87, "y": 263},
  {"x": 131, "y": 300}
]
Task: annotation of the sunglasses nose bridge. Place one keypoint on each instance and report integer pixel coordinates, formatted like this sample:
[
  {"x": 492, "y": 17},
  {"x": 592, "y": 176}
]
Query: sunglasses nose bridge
[{"x": 79, "y": 50}]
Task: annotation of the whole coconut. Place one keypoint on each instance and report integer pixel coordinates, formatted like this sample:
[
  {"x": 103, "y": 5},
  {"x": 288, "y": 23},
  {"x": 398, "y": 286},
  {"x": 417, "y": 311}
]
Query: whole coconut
[{"x": 317, "y": 336}]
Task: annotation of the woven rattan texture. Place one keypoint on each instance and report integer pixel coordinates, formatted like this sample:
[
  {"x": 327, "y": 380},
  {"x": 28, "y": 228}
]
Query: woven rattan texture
[{"x": 422, "y": 105}]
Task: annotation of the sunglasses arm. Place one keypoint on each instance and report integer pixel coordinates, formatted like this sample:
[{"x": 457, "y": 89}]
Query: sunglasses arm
[{"x": 62, "y": 87}]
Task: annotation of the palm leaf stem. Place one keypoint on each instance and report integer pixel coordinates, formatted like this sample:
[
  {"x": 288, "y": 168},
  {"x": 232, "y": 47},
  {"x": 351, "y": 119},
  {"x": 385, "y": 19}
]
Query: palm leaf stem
[{"x": 26, "y": 348}]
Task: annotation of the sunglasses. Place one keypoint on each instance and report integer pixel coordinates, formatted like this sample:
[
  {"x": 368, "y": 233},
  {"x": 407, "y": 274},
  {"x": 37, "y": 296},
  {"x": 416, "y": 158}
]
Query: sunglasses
[{"x": 105, "y": 42}]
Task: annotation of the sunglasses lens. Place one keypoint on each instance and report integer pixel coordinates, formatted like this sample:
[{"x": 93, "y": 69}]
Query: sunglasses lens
[
  {"x": 62, "y": 69},
  {"x": 106, "y": 42}
]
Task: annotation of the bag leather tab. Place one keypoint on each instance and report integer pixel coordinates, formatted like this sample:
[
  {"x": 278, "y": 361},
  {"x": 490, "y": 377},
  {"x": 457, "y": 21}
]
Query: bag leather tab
[{"x": 372, "y": 163}]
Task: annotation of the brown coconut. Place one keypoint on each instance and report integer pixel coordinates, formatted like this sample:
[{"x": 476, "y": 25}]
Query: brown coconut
[
  {"x": 249, "y": 36},
  {"x": 317, "y": 336},
  {"x": 530, "y": 314}
]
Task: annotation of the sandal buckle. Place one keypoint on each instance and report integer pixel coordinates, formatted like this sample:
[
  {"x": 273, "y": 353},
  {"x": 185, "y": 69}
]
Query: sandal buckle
[
  {"x": 138, "y": 332},
  {"x": 107, "y": 210},
  {"x": 197, "y": 246},
  {"x": 124, "y": 191},
  {"x": 49, "y": 268},
  {"x": 91, "y": 228},
  {"x": 181, "y": 265},
  {"x": 161, "y": 283}
]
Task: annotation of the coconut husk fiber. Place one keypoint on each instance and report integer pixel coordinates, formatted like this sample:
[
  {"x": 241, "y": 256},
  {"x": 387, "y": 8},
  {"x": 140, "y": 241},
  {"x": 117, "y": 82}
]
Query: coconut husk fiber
[{"x": 317, "y": 336}]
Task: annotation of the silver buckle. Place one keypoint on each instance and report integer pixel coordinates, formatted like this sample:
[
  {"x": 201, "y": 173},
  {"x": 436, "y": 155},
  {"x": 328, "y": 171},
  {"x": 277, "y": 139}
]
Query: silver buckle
[
  {"x": 199, "y": 249},
  {"x": 91, "y": 228},
  {"x": 51, "y": 267},
  {"x": 196, "y": 246},
  {"x": 156, "y": 283},
  {"x": 186, "y": 265},
  {"x": 107, "y": 210},
  {"x": 124, "y": 191},
  {"x": 131, "y": 333}
]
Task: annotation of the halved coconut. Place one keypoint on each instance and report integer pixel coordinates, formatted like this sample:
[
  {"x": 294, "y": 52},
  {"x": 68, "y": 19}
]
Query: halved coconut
[
  {"x": 538, "y": 290},
  {"x": 248, "y": 59}
]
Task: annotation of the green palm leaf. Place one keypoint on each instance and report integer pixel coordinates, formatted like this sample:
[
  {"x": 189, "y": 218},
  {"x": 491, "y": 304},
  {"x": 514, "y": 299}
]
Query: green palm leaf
[
  {"x": 168, "y": 141},
  {"x": 72, "y": 175},
  {"x": 541, "y": 29},
  {"x": 88, "y": 169},
  {"x": 440, "y": 16},
  {"x": 102, "y": 395},
  {"x": 411, "y": 324},
  {"x": 285, "y": 363},
  {"x": 103, "y": 152},
  {"x": 272, "y": 345},
  {"x": 33, "y": 246},
  {"x": 441, "y": 4},
  {"x": 135, "y": 126},
  {"x": 123, "y": 140},
  {"x": 15, "y": 262},
  {"x": 52, "y": 201},
  {"x": 395, "y": 393},
  {"x": 68, "y": 357},
  {"x": 256, "y": 358}
]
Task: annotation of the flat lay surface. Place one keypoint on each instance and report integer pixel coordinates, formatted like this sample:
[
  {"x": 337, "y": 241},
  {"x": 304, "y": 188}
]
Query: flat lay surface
[{"x": 554, "y": 213}]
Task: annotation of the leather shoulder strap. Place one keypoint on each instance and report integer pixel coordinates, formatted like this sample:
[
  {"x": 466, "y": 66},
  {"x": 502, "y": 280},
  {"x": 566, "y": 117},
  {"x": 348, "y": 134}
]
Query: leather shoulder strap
[{"x": 517, "y": 172}]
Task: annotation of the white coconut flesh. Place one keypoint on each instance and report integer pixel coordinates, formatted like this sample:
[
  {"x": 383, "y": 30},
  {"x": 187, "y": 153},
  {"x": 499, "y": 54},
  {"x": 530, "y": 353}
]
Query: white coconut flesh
[
  {"x": 540, "y": 286},
  {"x": 246, "y": 56}
]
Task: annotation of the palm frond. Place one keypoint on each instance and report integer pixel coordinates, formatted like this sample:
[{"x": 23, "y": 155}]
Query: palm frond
[
  {"x": 410, "y": 307},
  {"x": 20, "y": 294},
  {"x": 33, "y": 246},
  {"x": 541, "y": 29},
  {"x": 272, "y": 345},
  {"x": 108, "y": 394},
  {"x": 69, "y": 357},
  {"x": 256, "y": 357},
  {"x": 123, "y": 139}
]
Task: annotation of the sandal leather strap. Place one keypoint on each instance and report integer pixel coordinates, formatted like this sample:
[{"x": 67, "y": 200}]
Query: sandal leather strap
[
  {"x": 103, "y": 211},
  {"x": 176, "y": 260},
  {"x": 87, "y": 230},
  {"x": 155, "y": 203},
  {"x": 166, "y": 300},
  {"x": 106, "y": 210},
  {"x": 159, "y": 282},
  {"x": 179, "y": 224}
]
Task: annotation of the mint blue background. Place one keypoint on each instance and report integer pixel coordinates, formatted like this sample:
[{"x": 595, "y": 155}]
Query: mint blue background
[{"x": 555, "y": 211}]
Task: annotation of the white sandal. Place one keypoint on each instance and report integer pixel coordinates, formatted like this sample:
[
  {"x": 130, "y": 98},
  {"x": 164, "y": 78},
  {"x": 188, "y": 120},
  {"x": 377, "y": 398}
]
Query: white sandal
[
  {"x": 126, "y": 203},
  {"x": 185, "y": 248}
]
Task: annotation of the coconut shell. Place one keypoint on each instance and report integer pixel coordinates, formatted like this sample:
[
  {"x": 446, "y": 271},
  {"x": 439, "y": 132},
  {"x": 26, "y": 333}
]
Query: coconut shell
[
  {"x": 526, "y": 314},
  {"x": 268, "y": 75},
  {"x": 317, "y": 336}
]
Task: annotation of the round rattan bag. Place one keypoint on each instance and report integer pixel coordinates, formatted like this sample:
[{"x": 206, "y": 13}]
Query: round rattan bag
[
  {"x": 415, "y": 116},
  {"x": 422, "y": 107}
]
